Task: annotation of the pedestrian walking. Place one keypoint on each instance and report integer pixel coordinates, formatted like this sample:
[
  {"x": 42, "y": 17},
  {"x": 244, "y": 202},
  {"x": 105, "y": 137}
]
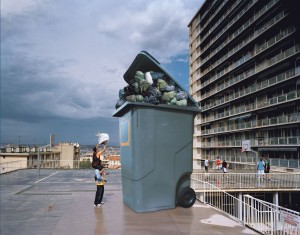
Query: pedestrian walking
[
  {"x": 218, "y": 163},
  {"x": 224, "y": 167},
  {"x": 260, "y": 169},
  {"x": 267, "y": 168},
  {"x": 206, "y": 165}
]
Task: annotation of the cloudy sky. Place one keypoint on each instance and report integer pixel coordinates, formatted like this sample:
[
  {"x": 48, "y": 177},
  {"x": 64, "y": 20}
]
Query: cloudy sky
[{"x": 62, "y": 62}]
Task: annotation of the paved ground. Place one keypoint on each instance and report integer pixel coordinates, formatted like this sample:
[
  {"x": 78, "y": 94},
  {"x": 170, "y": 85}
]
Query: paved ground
[{"x": 61, "y": 202}]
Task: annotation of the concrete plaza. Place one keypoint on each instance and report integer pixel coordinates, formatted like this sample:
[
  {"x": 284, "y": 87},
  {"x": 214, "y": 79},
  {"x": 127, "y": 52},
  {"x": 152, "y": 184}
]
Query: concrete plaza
[{"x": 61, "y": 202}]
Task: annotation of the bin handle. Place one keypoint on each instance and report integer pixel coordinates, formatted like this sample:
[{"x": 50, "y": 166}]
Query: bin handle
[{"x": 145, "y": 52}]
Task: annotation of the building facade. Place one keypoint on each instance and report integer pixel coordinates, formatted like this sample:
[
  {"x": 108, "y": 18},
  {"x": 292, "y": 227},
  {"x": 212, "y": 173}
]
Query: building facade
[
  {"x": 63, "y": 155},
  {"x": 244, "y": 72}
]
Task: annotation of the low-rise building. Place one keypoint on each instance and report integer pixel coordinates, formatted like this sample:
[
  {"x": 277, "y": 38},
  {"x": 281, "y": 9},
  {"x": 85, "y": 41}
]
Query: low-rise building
[
  {"x": 110, "y": 161},
  {"x": 63, "y": 155}
]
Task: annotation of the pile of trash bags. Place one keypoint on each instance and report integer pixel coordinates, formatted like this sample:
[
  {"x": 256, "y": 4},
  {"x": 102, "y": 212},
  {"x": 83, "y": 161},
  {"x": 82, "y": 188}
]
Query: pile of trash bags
[{"x": 154, "y": 88}]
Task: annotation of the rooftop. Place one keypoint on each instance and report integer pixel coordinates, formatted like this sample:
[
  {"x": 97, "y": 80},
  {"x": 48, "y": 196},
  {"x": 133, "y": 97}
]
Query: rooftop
[{"x": 61, "y": 202}]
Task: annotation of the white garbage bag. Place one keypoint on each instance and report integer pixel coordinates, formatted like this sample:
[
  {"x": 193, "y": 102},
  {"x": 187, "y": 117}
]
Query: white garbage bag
[
  {"x": 148, "y": 78},
  {"x": 102, "y": 138}
]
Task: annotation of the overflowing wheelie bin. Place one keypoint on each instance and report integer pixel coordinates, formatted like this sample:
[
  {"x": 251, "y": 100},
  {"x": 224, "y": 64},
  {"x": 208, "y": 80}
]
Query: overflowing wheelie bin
[{"x": 156, "y": 142}]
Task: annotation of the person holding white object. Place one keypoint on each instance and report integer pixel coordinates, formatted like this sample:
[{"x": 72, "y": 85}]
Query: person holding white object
[{"x": 103, "y": 138}]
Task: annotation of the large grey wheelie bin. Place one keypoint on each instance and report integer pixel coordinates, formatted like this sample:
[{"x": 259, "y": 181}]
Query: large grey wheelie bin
[{"x": 156, "y": 149}]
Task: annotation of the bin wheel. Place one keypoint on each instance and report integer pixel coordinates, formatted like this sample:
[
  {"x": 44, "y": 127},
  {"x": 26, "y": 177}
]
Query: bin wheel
[{"x": 187, "y": 197}]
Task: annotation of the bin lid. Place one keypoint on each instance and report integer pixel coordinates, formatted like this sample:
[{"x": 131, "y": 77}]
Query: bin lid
[
  {"x": 145, "y": 62},
  {"x": 129, "y": 105}
]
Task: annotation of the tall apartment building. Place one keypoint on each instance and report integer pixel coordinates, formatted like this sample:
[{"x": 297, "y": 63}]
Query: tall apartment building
[{"x": 244, "y": 71}]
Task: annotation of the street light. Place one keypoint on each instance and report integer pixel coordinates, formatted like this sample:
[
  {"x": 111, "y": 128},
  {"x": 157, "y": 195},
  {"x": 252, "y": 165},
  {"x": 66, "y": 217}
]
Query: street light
[{"x": 45, "y": 146}]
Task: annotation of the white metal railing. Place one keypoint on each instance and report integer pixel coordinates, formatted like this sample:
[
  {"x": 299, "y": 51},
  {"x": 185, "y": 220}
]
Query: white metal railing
[
  {"x": 264, "y": 217},
  {"x": 239, "y": 181},
  {"x": 250, "y": 159},
  {"x": 277, "y": 120},
  {"x": 269, "y": 218},
  {"x": 216, "y": 197},
  {"x": 274, "y": 141}
]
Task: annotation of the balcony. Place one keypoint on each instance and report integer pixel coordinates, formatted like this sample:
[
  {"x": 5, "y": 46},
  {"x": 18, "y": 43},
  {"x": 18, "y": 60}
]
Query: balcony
[
  {"x": 251, "y": 55},
  {"x": 208, "y": 10},
  {"x": 264, "y": 142},
  {"x": 242, "y": 28},
  {"x": 268, "y": 25},
  {"x": 256, "y": 51},
  {"x": 261, "y": 123},
  {"x": 251, "y": 89},
  {"x": 220, "y": 19},
  {"x": 243, "y": 108}
]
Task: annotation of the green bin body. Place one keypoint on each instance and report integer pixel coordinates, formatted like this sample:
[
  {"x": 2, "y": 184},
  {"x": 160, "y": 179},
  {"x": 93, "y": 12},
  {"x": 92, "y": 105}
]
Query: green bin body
[{"x": 156, "y": 145}]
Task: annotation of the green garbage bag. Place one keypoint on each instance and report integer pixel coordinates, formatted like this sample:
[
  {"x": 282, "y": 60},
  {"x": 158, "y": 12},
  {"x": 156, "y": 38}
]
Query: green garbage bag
[
  {"x": 173, "y": 101},
  {"x": 139, "y": 98},
  {"x": 182, "y": 102},
  {"x": 131, "y": 98},
  {"x": 144, "y": 85},
  {"x": 167, "y": 96},
  {"x": 161, "y": 84},
  {"x": 139, "y": 76},
  {"x": 136, "y": 88}
]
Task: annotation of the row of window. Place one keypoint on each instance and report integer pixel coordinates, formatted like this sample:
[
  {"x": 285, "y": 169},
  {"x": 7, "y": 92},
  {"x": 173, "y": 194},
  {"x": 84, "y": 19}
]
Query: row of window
[
  {"x": 258, "y": 68},
  {"x": 257, "y": 49},
  {"x": 244, "y": 26}
]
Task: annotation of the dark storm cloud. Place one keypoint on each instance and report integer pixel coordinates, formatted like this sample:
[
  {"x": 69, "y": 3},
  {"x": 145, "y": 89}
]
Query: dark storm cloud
[
  {"x": 62, "y": 61},
  {"x": 29, "y": 85}
]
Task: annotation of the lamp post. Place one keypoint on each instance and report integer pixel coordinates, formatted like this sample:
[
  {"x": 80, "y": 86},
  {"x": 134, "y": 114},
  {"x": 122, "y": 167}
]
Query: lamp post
[{"x": 38, "y": 164}]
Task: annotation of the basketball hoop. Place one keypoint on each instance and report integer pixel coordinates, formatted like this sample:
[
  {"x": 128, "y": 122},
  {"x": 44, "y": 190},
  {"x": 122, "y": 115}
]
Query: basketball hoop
[{"x": 246, "y": 146}]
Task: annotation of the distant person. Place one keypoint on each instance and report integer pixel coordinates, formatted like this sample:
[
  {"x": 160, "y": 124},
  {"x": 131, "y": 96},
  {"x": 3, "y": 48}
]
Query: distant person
[
  {"x": 267, "y": 168},
  {"x": 260, "y": 168},
  {"x": 206, "y": 164},
  {"x": 218, "y": 163},
  {"x": 224, "y": 166}
]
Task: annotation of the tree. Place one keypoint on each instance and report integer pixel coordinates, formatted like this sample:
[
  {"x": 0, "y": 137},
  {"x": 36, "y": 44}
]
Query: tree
[{"x": 85, "y": 164}]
